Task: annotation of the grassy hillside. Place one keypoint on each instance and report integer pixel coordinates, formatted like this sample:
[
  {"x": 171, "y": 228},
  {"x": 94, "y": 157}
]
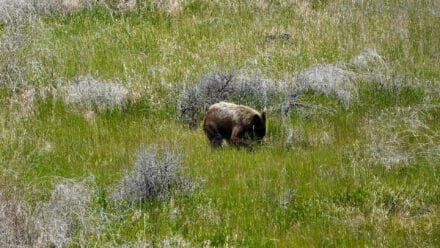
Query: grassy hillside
[{"x": 97, "y": 101}]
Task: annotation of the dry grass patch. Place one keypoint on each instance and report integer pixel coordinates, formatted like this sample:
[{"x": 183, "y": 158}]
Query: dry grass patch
[
  {"x": 400, "y": 136},
  {"x": 20, "y": 11}
]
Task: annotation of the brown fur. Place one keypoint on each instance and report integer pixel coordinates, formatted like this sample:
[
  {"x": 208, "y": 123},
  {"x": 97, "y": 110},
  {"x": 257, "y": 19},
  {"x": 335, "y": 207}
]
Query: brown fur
[{"x": 238, "y": 124}]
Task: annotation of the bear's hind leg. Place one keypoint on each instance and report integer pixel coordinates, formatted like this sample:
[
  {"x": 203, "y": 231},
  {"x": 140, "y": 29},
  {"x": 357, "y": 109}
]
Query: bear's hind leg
[{"x": 213, "y": 135}]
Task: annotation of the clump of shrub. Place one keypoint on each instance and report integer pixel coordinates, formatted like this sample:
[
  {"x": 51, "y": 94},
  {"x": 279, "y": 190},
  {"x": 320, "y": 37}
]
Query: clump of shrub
[
  {"x": 64, "y": 219},
  {"x": 369, "y": 60},
  {"x": 255, "y": 92},
  {"x": 327, "y": 80},
  {"x": 12, "y": 11},
  {"x": 67, "y": 211},
  {"x": 340, "y": 79},
  {"x": 20, "y": 11},
  {"x": 157, "y": 174},
  {"x": 13, "y": 66},
  {"x": 93, "y": 94}
]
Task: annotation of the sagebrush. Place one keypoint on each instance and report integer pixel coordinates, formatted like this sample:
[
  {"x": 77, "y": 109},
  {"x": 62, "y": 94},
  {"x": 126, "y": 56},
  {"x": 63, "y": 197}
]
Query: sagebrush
[{"x": 158, "y": 173}]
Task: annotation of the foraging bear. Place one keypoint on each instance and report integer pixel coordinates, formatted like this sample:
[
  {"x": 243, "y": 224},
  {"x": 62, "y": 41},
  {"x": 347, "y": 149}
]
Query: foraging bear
[{"x": 238, "y": 124}]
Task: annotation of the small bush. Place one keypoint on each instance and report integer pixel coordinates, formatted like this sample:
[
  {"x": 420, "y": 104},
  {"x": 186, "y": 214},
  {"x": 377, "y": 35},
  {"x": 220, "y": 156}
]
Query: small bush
[
  {"x": 92, "y": 94},
  {"x": 327, "y": 80},
  {"x": 227, "y": 86},
  {"x": 342, "y": 79},
  {"x": 13, "y": 67},
  {"x": 188, "y": 106},
  {"x": 66, "y": 213},
  {"x": 157, "y": 174},
  {"x": 368, "y": 60},
  {"x": 65, "y": 218}
]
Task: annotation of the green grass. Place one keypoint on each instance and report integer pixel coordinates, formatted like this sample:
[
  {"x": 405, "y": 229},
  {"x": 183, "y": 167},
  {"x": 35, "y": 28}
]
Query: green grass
[{"x": 324, "y": 188}]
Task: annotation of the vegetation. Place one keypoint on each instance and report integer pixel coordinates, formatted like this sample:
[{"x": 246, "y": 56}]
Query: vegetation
[{"x": 101, "y": 103}]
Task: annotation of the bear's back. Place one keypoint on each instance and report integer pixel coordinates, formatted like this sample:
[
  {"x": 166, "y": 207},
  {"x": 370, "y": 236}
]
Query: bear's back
[{"x": 237, "y": 113}]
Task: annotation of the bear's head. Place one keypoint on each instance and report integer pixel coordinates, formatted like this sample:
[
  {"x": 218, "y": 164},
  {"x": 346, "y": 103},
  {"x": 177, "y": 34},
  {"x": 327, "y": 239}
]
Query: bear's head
[{"x": 259, "y": 126}]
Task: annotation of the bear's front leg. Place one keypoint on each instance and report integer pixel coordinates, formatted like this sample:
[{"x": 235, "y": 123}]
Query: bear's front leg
[{"x": 237, "y": 136}]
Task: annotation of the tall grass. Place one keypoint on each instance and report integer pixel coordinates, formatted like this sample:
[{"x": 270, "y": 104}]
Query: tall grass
[{"x": 351, "y": 152}]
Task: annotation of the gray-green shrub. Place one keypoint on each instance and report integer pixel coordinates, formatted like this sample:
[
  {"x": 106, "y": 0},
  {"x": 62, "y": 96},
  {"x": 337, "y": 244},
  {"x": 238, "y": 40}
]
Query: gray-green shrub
[
  {"x": 157, "y": 174},
  {"x": 94, "y": 94}
]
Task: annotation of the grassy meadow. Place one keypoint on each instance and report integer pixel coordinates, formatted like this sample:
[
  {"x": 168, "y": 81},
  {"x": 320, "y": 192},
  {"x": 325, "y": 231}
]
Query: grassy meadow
[{"x": 92, "y": 101}]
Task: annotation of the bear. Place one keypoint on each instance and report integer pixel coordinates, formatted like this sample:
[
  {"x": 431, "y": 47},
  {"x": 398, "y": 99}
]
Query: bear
[{"x": 238, "y": 124}]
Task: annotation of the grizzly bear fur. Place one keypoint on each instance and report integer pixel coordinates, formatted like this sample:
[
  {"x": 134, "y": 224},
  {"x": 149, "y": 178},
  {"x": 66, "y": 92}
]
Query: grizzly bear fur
[{"x": 238, "y": 124}]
